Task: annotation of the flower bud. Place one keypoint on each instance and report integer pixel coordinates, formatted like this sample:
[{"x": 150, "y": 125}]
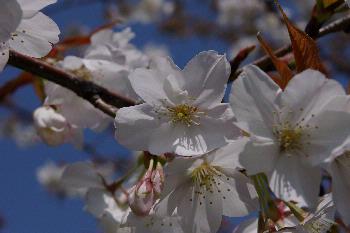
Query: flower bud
[
  {"x": 53, "y": 128},
  {"x": 145, "y": 193},
  {"x": 157, "y": 179}
]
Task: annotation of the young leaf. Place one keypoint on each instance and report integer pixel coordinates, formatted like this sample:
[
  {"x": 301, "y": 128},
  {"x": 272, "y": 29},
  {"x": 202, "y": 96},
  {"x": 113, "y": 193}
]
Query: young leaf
[
  {"x": 281, "y": 67},
  {"x": 304, "y": 47}
]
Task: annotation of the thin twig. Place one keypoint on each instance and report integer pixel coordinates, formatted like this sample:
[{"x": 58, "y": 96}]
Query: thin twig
[
  {"x": 98, "y": 96},
  {"x": 265, "y": 61},
  {"x": 107, "y": 101}
]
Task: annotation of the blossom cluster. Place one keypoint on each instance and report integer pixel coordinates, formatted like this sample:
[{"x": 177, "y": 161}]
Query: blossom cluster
[{"x": 212, "y": 149}]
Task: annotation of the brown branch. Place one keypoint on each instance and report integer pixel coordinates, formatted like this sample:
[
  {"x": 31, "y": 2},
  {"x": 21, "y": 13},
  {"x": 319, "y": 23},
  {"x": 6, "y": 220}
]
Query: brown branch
[
  {"x": 107, "y": 101},
  {"x": 265, "y": 61},
  {"x": 11, "y": 86},
  {"x": 98, "y": 96}
]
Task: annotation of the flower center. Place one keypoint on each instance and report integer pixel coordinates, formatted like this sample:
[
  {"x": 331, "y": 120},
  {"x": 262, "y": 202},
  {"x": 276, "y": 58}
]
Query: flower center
[
  {"x": 184, "y": 114},
  {"x": 290, "y": 139},
  {"x": 204, "y": 175}
]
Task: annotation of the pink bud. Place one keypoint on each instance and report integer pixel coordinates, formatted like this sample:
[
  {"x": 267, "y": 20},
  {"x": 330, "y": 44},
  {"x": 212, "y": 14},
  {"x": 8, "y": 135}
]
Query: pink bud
[
  {"x": 158, "y": 179},
  {"x": 145, "y": 193}
]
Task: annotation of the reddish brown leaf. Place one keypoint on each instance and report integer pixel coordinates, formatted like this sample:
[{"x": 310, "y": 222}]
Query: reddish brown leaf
[
  {"x": 305, "y": 49},
  {"x": 282, "y": 68}
]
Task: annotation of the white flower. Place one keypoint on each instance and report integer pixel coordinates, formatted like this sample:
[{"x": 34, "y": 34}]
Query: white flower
[
  {"x": 93, "y": 182},
  {"x": 182, "y": 112},
  {"x": 116, "y": 47},
  {"x": 292, "y": 131},
  {"x": 31, "y": 32},
  {"x": 49, "y": 175},
  {"x": 204, "y": 189},
  {"x": 104, "y": 73},
  {"x": 54, "y": 129}
]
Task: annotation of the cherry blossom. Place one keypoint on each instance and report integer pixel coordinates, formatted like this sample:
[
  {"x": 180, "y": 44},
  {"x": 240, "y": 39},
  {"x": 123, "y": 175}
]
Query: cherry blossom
[
  {"x": 26, "y": 30},
  {"x": 115, "y": 46},
  {"x": 105, "y": 73},
  {"x": 49, "y": 175},
  {"x": 292, "y": 131},
  {"x": 54, "y": 129},
  {"x": 182, "y": 113},
  {"x": 204, "y": 189}
]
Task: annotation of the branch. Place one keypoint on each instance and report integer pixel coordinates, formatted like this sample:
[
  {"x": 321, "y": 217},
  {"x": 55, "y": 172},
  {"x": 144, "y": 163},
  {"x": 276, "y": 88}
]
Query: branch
[
  {"x": 107, "y": 101},
  {"x": 98, "y": 96},
  {"x": 265, "y": 61}
]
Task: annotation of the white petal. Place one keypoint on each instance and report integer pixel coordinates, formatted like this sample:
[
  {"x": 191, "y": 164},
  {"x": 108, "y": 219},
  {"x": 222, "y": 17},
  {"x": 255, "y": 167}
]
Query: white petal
[
  {"x": 98, "y": 201},
  {"x": 341, "y": 188},
  {"x": 101, "y": 37},
  {"x": 81, "y": 175},
  {"x": 135, "y": 126},
  {"x": 112, "y": 76},
  {"x": 71, "y": 63},
  {"x": 237, "y": 194},
  {"x": 206, "y": 77},
  {"x": 259, "y": 157},
  {"x": 197, "y": 214},
  {"x": 214, "y": 211},
  {"x": 293, "y": 180},
  {"x": 35, "y": 36},
  {"x": 331, "y": 132},
  {"x": 165, "y": 67},
  {"x": 174, "y": 139},
  {"x": 308, "y": 92},
  {"x": 148, "y": 84},
  {"x": 253, "y": 99},
  {"x": 227, "y": 157},
  {"x": 10, "y": 17},
  {"x": 4, "y": 55},
  {"x": 31, "y": 7},
  {"x": 88, "y": 117}
]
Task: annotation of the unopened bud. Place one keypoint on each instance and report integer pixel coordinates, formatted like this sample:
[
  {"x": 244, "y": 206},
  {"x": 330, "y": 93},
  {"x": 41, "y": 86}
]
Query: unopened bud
[{"x": 145, "y": 193}]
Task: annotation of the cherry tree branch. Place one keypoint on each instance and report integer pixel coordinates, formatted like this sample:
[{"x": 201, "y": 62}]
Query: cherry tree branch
[
  {"x": 265, "y": 61},
  {"x": 98, "y": 96},
  {"x": 109, "y": 102}
]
